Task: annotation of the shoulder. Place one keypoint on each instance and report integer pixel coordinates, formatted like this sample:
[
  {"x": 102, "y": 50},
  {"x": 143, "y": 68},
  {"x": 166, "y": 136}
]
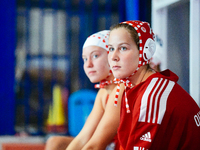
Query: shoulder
[
  {"x": 117, "y": 90},
  {"x": 121, "y": 87},
  {"x": 153, "y": 97},
  {"x": 116, "y": 94},
  {"x": 181, "y": 99},
  {"x": 101, "y": 91},
  {"x": 101, "y": 94}
]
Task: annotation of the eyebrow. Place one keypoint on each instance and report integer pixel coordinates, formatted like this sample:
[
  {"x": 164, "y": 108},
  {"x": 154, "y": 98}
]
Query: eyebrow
[
  {"x": 95, "y": 51},
  {"x": 119, "y": 44}
]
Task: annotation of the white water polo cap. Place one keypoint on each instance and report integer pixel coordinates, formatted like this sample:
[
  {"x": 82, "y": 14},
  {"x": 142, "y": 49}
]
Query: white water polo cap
[{"x": 98, "y": 39}]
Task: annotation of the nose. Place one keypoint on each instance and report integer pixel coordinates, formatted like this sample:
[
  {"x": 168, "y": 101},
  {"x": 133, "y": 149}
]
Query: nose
[
  {"x": 89, "y": 63},
  {"x": 114, "y": 56}
]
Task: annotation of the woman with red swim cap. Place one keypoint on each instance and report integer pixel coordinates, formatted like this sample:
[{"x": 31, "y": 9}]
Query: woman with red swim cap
[{"x": 156, "y": 112}]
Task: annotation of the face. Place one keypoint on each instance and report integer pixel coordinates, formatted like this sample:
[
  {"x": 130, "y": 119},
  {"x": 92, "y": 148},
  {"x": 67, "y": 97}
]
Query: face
[
  {"x": 96, "y": 64},
  {"x": 123, "y": 54}
]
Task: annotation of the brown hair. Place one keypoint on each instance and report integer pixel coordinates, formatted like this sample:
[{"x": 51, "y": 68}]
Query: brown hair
[{"x": 130, "y": 30}]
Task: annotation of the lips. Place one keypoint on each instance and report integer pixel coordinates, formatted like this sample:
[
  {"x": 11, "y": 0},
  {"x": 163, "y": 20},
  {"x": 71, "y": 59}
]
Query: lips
[
  {"x": 91, "y": 72},
  {"x": 116, "y": 67}
]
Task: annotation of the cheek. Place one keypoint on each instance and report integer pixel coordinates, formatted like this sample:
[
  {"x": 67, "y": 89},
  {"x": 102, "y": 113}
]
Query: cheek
[
  {"x": 84, "y": 68},
  {"x": 131, "y": 61},
  {"x": 128, "y": 59},
  {"x": 109, "y": 58},
  {"x": 104, "y": 67}
]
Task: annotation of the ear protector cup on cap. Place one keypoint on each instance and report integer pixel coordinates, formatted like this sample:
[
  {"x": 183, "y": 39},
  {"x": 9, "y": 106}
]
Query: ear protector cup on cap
[{"x": 149, "y": 49}]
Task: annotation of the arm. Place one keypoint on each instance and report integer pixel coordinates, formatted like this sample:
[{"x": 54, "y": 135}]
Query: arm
[
  {"x": 107, "y": 127},
  {"x": 88, "y": 129}
]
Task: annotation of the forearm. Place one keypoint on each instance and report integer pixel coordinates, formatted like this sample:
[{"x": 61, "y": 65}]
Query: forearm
[
  {"x": 76, "y": 144},
  {"x": 93, "y": 146},
  {"x": 82, "y": 138},
  {"x": 101, "y": 138},
  {"x": 99, "y": 143}
]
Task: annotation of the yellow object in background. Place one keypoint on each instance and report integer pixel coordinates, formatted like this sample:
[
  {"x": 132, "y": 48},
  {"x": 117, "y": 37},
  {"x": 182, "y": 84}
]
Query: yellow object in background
[
  {"x": 58, "y": 110},
  {"x": 56, "y": 121},
  {"x": 50, "y": 118}
]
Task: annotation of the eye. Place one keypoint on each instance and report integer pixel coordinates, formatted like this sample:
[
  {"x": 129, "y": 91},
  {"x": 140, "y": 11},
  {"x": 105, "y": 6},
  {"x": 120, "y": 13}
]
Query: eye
[
  {"x": 84, "y": 59},
  {"x": 111, "y": 49},
  {"x": 95, "y": 56},
  {"x": 123, "y": 48}
]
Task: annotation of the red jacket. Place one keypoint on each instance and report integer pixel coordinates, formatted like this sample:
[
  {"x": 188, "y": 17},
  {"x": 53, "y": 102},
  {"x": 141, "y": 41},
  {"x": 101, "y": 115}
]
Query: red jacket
[{"x": 163, "y": 116}]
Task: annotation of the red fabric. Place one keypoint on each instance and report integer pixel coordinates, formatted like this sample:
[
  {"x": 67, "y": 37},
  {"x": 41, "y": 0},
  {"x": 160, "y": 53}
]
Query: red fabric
[
  {"x": 145, "y": 33},
  {"x": 163, "y": 116},
  {"x": 116, "y": 141},
  {"x": 121, "y": 148}
]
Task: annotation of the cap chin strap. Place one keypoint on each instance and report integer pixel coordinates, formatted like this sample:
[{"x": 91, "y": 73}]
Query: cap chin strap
[
  {"x": 103, "y": 83},
  {"x": 127, "y": 83}
]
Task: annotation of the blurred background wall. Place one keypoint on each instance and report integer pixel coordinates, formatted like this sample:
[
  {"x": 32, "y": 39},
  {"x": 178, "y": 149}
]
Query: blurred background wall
[
  {"x": 177, "y": 26},
  {"x": 41, "y": 44}
]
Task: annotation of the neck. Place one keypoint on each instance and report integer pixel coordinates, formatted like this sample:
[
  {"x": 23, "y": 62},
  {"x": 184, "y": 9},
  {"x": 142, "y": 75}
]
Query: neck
[{"x": 141, "y": 75}]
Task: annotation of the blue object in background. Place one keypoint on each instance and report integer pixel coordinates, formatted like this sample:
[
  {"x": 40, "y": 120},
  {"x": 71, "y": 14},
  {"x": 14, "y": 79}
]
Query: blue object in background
[
  {"x": 7, "y": 66},
  {"x": 132, "y": 9},
  {"x": 138, "y": 10},
  {"x": 80, "y": 104}
]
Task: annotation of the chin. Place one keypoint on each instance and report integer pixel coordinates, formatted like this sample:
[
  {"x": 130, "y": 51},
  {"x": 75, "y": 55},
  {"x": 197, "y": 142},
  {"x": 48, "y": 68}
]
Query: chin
[
  {"x": 94, "y": 80},
  {"x": 118, "y": 76}
]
